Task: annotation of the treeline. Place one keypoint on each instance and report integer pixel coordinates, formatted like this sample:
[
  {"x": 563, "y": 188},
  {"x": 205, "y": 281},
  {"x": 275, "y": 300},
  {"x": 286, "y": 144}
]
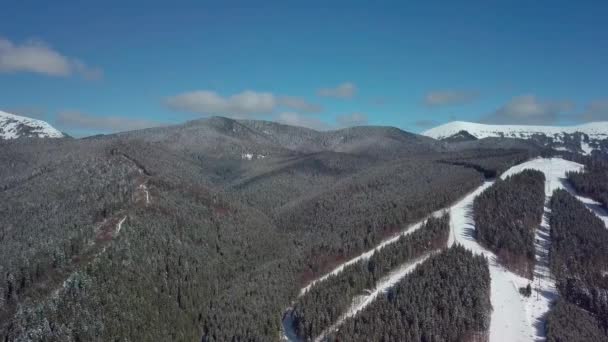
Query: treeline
[
  {"x": 323, "y": 304},
  {"x": 446, "y": 298},
  {"x": 579, "y": 255},
  {"x": 506, "y": 215},
  {"x": 490, "y": 162}
]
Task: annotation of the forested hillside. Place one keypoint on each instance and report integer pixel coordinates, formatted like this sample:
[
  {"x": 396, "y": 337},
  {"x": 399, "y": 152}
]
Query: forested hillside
[
  {"x": 357, "y": 213},
  {"x": 506, "y": 215},
  {"x": 423, "y": 306},
  {"x": 579, "y": 255},
  {"x": 202, "y": 230}
]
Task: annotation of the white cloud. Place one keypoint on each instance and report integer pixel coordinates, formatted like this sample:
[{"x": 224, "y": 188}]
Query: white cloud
[
  {"x": 449, "y": 97},
  {"x": 207, "y": 102},
  {"x": 353, "y": 119},
  {"x": 37, "y": 57},
  {"x": 82, "y": 121},
  {"x": 595, "y": 111},
  {"x": 299, "y": 104},
  {"x": 343, "y": 91},
  {"x": 242, "y": 105},
  {"x": 529, "y": 110},
  {"x": 295, "y": 119}
]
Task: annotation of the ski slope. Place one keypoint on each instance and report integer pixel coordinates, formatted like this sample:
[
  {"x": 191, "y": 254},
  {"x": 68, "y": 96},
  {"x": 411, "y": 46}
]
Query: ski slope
[
  {"x": 514, "y": 317},
  {"x": 517, "y": 318},
  {"x": 508, "y": 320}
]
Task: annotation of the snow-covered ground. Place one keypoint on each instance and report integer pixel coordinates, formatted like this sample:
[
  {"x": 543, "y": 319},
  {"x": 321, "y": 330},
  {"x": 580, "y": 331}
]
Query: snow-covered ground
[
  {"x": 11, "y": 127},
  {"x": 517, "y": 318}
]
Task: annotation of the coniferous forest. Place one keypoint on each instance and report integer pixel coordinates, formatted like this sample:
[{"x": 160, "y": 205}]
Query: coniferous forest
[
  {"x": 446, "y": 298},
  {"x": 579, "y": 255},
  {"x": 172, "y": 231},
  {"x": 323, "y": 304},
  {"x": 592, "y": 182},
  {"x": 506, "y": 216}
]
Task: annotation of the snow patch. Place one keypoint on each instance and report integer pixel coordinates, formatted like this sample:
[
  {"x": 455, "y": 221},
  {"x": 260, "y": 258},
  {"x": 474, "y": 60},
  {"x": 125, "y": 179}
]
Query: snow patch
[
  {"x": 119, "y": 225},
  {"x": 251, "y": 156},
  {"x": 587, "y": 149}
]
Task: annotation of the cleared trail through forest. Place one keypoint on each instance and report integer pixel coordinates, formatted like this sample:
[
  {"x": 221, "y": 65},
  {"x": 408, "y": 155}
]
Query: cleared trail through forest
[
  {"x": 514, "y": 317},
  {"x": 383, "y": 285},
  {"x": 518, "y": 318}
]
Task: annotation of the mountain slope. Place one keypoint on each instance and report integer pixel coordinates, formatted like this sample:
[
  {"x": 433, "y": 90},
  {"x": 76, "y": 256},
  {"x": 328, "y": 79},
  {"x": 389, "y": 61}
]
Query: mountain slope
[
  {"x": 15, "y": 126},
  {"x": 172, "y": 231}
]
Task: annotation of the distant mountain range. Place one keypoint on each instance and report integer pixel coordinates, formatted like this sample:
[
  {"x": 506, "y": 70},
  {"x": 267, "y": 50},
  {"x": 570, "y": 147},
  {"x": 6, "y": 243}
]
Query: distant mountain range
[
  {"x": 583, "y": 138},
  {"x": 15, "y": 126}
]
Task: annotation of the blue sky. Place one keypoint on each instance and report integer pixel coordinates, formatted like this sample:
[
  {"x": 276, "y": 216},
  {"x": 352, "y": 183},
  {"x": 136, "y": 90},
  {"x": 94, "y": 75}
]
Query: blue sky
[{"x": 109, "y": 66}]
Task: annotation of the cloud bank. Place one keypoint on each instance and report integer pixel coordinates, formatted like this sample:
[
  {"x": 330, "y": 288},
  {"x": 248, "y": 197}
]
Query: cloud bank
[
  {"x": 529, "y": 110},
  {"x": 449, "y": 97},
  {"x": 82, "y": 121},
  {"x": 295, "y": 119},
  {"x": 595, "y": 111},
  {"x": 343, "y": 91},
  {"x": 350, "y": 120},
  {"x": 241, "y": 105}
]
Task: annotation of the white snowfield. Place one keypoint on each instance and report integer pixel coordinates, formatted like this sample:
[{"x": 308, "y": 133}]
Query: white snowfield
[
  {"x": 10, "y": 123},
  {"x": 595, "y": 130},
  {"x": 514, "y": 317}
]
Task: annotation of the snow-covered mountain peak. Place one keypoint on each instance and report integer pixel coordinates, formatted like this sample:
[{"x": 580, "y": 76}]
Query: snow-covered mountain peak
[
  {"x": 15, "y": 126},
  {"x": 583, "y": 138},
  {"x": 595, "y": 130}
]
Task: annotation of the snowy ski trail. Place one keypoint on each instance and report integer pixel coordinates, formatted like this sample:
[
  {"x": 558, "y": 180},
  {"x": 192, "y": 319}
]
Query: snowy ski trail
[
  {"x": 366, "y": 255},
  {"x": 361, "y": 302},
  {"x": 514, "y": 317},
  {"x": 508, "y": 322}
]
